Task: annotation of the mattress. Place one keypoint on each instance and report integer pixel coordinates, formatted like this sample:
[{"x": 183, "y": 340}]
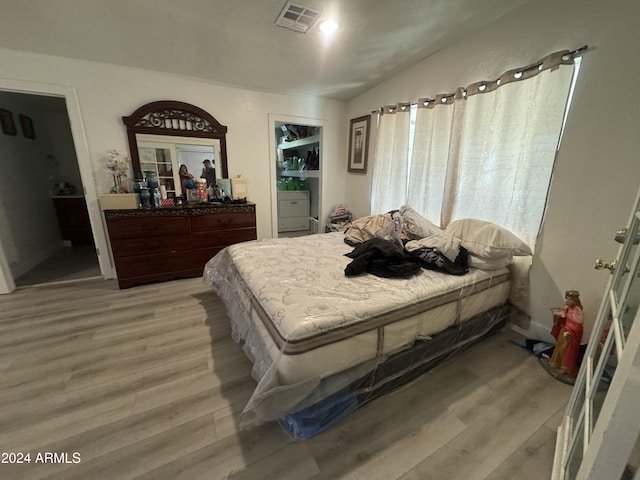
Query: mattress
[{"x": 302, "y": 321}]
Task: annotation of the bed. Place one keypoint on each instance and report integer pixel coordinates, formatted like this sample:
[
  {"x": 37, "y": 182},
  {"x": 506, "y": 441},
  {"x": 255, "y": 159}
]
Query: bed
[{"x": 323, "y": 344}]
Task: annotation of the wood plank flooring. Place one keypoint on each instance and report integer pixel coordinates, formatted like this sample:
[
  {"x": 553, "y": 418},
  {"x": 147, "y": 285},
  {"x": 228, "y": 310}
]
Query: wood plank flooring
[{"x": 146, "y": 383}]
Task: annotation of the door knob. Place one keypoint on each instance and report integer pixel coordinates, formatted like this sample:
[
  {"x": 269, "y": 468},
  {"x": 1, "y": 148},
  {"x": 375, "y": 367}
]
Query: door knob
[{"x": 600, "y": 265}]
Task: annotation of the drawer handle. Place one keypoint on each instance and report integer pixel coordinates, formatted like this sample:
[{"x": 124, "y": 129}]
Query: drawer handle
[{"x": 294, "y": 203}]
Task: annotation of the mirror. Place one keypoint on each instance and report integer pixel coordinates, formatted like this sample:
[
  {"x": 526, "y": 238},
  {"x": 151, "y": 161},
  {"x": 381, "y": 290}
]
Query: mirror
[
  {"x": 166, "y": 134},
  {"x": 166, "y": 154}
]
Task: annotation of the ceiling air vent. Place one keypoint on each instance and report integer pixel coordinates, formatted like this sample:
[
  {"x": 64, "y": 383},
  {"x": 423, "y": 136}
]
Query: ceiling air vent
[{"x": 297, "y": 18}]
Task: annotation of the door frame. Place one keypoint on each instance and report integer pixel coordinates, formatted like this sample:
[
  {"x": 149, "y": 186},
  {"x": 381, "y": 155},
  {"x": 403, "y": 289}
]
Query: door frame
[
  {"x": 606, "y": 450},
  {"x": 273, "y": 177},
  {"x": 81, "y": 146}
]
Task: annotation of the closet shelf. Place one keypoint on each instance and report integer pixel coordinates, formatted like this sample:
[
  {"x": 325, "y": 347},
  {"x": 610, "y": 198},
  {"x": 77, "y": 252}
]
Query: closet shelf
[
  {"x": 300, "y": 173},
  {"x": 299, "y": 143}
]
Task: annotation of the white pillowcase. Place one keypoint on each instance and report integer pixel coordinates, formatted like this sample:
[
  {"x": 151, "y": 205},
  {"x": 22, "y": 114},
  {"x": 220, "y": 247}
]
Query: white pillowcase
[
  {"x": 446, "y": 244},
  {"x": 487, "y": 240},
  {"x": 416, "y": 226},
  {"x": 489, "y": 263}
]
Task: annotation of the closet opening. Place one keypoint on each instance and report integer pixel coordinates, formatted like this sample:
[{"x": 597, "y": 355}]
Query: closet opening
[{"x": 298, "y": 167}]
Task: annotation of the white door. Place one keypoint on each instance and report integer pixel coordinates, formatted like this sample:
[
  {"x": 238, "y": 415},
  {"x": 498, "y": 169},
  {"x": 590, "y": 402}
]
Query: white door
[{"x": 602, "y": 422}]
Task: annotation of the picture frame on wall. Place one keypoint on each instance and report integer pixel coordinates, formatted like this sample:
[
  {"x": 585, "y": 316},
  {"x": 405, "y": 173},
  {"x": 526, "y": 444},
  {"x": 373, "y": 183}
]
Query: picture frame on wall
[
  {"x": 359, "y": 144},
  {"x": 27, "y": 126},
  {"x": 7, "y": 124}
]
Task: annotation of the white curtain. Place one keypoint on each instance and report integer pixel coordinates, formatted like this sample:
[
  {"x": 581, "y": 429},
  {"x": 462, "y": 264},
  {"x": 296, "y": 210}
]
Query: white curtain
[
  {"x": 389, "y": 189},
  {"x": 432, "y": 143},
  {"x": 505, "y": 148},
  {"x": 487, "y": 151}
]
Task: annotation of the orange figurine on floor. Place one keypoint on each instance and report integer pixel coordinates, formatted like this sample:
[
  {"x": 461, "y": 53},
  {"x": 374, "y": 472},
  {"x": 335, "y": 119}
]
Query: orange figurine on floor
[{"x": 567, "y": 329}]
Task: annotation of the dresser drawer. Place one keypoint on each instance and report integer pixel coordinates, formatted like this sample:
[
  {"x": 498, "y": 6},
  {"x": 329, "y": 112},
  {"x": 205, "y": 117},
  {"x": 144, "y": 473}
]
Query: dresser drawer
[
  {"x": 128, "y": 282},
  {"x": 222, "y": 238},
  {"x": 153, "y": 244},
  {"x": 293, "y": 224},
  {"x": 143, "y": 227},
  {"x": 293, "y": 208},
  {"x": 222, "y": 221},
  {"x": 203, "y": 255},
  {"x": 156, "y": 263},
  {"x": 294, "y": 195}
]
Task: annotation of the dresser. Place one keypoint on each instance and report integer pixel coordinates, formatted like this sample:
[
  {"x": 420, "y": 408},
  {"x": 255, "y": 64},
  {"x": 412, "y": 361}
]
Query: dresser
[{"x": 155, "y": 245}]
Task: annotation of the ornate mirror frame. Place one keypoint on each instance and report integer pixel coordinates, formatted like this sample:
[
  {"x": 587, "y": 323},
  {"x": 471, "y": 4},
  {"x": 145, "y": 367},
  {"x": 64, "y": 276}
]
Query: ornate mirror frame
[{"x": 168, "y": 117}]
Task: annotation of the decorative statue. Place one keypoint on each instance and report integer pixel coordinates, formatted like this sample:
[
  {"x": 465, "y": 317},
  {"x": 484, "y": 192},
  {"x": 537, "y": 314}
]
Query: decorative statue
[{"x": 567, "y": 330}]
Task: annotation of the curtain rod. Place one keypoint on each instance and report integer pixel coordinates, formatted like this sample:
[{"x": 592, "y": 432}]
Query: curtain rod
[{"x": 575, "y": 52}]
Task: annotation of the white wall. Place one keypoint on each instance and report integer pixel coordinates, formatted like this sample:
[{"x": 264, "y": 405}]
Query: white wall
[
  {"x": 105, "y": 93},
  {"x": 598, "y": 169}
]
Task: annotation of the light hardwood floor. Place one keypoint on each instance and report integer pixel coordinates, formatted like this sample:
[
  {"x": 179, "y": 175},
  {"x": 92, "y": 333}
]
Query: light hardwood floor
[{"x": 147, "y": 383}]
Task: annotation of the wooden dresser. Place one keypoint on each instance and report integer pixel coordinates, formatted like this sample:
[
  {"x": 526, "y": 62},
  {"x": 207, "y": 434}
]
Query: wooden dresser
[{"x": 155, "y": 245}]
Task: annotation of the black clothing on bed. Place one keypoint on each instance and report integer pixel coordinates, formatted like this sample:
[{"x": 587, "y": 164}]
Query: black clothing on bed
[
  {"x": 434, "y": 259},
  {"x": 381, "y": 258}
]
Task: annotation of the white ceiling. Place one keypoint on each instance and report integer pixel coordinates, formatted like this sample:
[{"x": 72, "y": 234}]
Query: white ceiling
[{"x": 236, "y": 42}]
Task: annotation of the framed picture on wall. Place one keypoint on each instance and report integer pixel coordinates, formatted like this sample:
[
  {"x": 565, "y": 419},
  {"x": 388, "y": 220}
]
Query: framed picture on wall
[
  {"x": 27, "y": 127},
  {"x": 7, "y": 124},
  {"x": 359, "y": 144}
]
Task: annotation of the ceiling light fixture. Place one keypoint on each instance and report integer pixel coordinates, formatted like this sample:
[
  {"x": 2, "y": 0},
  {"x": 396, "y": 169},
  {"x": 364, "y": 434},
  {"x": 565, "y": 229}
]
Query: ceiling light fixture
[{"x": 329, "y": 26}]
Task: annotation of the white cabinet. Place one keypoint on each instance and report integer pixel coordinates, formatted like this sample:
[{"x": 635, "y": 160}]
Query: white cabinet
[{"x": 293, "y": 210}]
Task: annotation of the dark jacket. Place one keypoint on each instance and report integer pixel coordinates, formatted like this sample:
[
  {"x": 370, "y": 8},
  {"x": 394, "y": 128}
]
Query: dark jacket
[{"x": 381, "y": 258}]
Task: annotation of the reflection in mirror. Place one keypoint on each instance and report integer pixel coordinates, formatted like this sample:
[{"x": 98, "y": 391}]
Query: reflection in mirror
[
  {"x": 163, "y": 155},
  {"x": 168, "y": 131}
]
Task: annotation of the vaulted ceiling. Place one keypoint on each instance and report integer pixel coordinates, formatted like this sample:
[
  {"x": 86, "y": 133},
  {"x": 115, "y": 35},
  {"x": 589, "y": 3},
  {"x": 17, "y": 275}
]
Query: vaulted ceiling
[{"x": 236, "y": 42}]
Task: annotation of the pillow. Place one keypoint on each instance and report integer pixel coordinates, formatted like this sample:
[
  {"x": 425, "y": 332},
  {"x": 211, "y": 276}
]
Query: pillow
[
  {"x": 365, "y": 228},
  {"x": 487, "y": 240},
  {"x": 489, "y": 263},
  {"x": 446, "y": 244},
  {"x": 415, "y": 226}
]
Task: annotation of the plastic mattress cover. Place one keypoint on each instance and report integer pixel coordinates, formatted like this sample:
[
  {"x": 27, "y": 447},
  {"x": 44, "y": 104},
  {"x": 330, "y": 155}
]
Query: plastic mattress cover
[{"x": 311, "y": 332}]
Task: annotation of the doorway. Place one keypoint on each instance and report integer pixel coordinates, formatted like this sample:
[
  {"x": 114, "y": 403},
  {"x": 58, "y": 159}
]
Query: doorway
[
  {"x": 46, "y": 234},
  {"x": 598, "y": 437},
  {"x": 298, "y": 166}
]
